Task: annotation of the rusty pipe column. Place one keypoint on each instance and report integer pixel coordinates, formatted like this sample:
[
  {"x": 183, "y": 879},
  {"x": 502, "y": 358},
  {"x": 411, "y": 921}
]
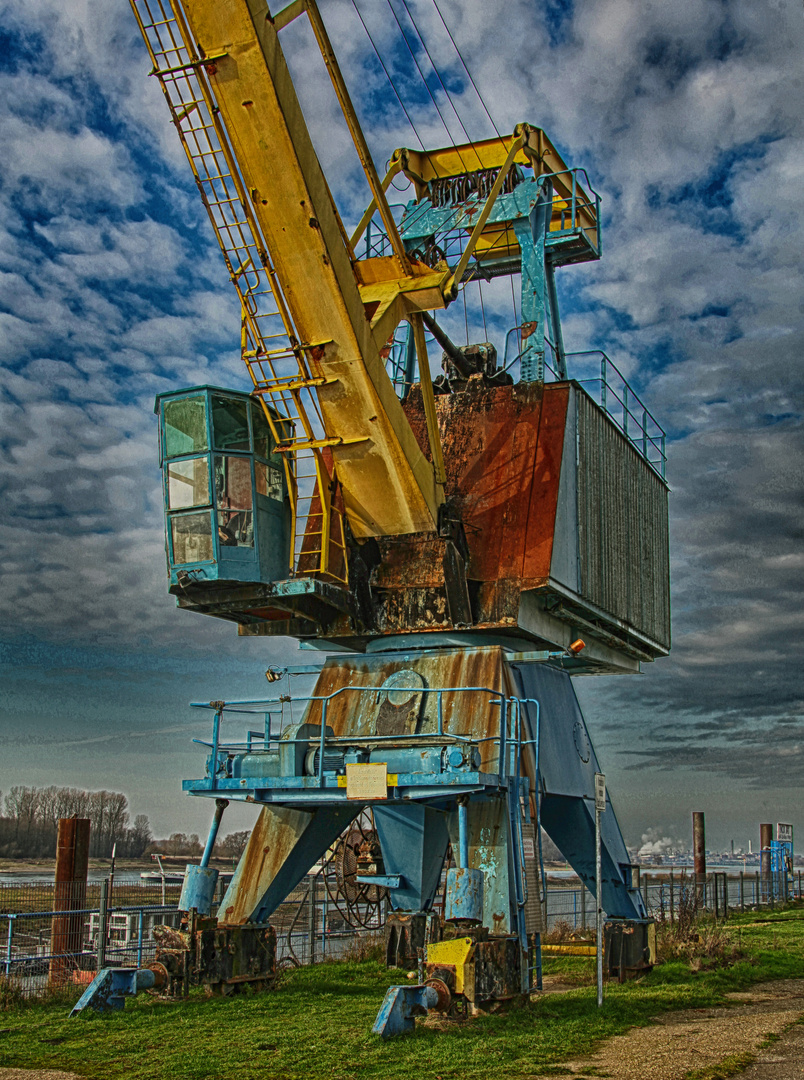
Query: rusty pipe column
[
  {"x": 699, "y": 854},
  {"x": 70, "y": 892},
  {"x": 765, "y": 838}
]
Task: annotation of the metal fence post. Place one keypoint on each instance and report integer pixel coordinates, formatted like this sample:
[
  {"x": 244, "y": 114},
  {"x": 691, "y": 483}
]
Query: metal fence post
[
  {"x": 311, "y": 927},
  {"x": 324, "y": 923},
  {"x": 103, "y": 915},
  {"x": 140, "y": 927},
  {"x": 645, "y": 890},
  {"x": 742, "y": 891},
  {"x": 9, "y": 940},
  {"x": 672, "y": 901},
  {"x": 756, "y": 889},
  {"x": 583, "y": 906}
]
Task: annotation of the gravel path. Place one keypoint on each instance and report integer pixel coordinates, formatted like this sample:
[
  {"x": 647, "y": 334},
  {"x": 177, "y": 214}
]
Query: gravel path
[
  {"x": 36, "y": 1074},
  {"x": 698, "y": 1038},
  {"x": 782, "y": 1060}
]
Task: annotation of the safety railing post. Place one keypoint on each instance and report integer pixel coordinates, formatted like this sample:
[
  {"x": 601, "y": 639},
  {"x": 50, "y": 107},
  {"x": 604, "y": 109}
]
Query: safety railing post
[
  {"x": 322, "y": 742},
  {"x": 603, "y": 387},
  {"x": 216, "y": 734},
  {"x": 503, "y": 738}
]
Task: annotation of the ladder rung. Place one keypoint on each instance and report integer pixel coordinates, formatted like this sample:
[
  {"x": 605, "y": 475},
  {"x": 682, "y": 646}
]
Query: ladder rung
[
  {"x": 293, "y": 384},
  {"x": 191, "y": 65},
  {"x": 317, "y": 444}
]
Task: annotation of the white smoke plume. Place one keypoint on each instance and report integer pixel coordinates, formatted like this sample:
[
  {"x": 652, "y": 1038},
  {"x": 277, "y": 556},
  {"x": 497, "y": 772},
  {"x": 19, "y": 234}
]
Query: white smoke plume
[{"x": 653, "y": 843}]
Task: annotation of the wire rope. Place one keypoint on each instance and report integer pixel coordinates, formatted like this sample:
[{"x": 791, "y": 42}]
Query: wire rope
[
  {"x": 388, "y": 76},
  {"x": 482, "y": 308},
  {"x": 516, "y": 317},
  {"x": 466, "y": 69},
  {"x": 435, "y": 69},
  {"x": 424, "y": 80}
]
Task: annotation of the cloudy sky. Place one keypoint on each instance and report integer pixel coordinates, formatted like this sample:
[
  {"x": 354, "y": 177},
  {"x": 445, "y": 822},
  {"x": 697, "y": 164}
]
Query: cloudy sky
[{"x": 688, "y": 118}]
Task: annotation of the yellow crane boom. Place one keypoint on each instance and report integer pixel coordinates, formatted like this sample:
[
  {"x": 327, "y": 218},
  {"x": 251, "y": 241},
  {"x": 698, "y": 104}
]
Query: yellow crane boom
[{"x": 314, "y": 348}]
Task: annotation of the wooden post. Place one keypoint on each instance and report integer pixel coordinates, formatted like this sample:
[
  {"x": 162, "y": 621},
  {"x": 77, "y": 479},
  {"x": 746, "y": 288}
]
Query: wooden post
[
  {"x": 765, "y": 838},
  {"x": 69, "y": 894},
  {"x": 699, "y": 856}
]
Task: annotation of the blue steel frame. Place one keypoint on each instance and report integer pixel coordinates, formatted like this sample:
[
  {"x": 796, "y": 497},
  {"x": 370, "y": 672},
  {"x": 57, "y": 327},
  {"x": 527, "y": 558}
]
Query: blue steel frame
[
  {"x": 435, "y": 788},
  {"x": 323, "y": 787}
]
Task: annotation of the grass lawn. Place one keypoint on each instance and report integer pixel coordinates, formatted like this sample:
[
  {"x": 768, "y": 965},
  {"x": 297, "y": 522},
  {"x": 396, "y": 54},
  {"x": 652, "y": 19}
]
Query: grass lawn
[{"x": 318, "y": 1024}]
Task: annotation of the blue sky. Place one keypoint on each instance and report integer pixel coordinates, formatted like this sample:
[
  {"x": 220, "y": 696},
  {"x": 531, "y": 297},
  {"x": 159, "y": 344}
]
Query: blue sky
[{"x": 688, "y": 118}]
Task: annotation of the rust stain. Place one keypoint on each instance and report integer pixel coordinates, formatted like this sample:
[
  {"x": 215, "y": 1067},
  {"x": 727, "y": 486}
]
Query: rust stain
[
  {"x": 503, "y": 461},
  {"x": 354, "y": 712},
  {"x": 540, "y": 525}
]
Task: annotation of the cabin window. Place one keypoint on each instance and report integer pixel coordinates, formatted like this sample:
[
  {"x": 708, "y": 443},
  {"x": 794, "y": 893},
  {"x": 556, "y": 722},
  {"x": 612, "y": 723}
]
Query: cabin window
[
  {"x": 188, "y": 483},
  {"x": 234, "y": 501},
  {"x": 191, "y": 537},
  {"x": 269, "y": 480},
  {"x": 185, "y": 426},
  {"x": 230, "y": 424}
]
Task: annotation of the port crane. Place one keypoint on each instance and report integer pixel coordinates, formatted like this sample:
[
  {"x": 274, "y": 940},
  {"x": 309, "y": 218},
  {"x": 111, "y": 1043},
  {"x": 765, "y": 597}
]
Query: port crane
[{"x": 460, "y": 546}]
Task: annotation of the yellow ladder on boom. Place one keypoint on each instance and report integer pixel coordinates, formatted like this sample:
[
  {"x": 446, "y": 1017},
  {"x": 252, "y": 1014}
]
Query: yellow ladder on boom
[
  {"x": 311, "y": 341},
  {"x": 280, "y": 367}
]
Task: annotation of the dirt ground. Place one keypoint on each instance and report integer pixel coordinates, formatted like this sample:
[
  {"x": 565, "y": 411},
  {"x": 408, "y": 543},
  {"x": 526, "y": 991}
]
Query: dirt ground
[
  {"x": 694, "y": 1039},
  {"x": 36, "y": 1074}
]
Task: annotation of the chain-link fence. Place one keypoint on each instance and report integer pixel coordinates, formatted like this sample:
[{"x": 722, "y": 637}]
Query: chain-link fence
[
  {"x": 55, "y": 934},
  {"x": 666, "y": 894},
  {"x": 58, "y": 935}
]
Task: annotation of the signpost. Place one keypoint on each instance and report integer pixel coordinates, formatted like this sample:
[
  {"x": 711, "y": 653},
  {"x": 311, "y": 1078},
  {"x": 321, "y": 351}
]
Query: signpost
[{"x": 600, "y": 806}]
